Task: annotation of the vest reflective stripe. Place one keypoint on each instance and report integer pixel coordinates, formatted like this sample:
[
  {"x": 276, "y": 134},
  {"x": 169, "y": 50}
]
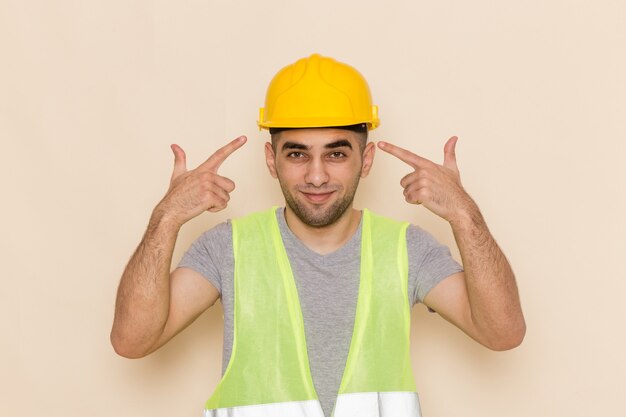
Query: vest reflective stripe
[
  {"x": 377, "y": 404},
  {"x": 309, "y": 408},
  {"x": 269, "y": 374},
  {"x": 362, "y": 404}
]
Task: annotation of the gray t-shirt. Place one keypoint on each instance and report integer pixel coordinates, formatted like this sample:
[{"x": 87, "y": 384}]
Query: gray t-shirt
[{"x": 327, "y": 286}]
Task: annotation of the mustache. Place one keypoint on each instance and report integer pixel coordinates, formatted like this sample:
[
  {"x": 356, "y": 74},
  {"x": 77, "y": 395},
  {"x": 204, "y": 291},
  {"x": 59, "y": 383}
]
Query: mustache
[{"x": 311, "y": 189}]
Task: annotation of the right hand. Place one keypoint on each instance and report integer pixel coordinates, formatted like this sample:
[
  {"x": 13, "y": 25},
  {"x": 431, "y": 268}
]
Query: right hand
[{"x": 201, "y": 189}]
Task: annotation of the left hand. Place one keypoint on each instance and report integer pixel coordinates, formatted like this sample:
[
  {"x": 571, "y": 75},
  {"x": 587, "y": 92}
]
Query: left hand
[{"x": 436, "y": 187}]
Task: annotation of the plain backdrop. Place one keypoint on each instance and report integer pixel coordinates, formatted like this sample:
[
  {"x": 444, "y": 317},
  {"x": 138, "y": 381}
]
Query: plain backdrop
[{"x": 92, "y": 93}]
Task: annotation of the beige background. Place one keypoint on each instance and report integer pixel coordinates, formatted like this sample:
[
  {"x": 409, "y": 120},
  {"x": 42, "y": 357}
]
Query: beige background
[{"x": 92, "y": 93}]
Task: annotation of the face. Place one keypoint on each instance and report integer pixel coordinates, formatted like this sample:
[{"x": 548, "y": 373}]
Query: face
[{"x": 318, "y": 171}]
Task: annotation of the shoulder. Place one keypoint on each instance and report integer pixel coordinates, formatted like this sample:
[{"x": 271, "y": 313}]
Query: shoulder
[
  {"x": 418, "y": 240},
  {"x": 414, "y": 233},
  {"x": 418, "y": 236},
  {"x": 225, "y": 228},
  {"x": 258, "y": 217},
  {"x": 218, "y": 233},
  {"x": 381, "y": 224}
]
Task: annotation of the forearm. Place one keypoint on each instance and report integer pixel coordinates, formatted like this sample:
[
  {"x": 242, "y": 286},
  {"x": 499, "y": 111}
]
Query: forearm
[
  {"x": 492, "y": 291},
  {"x": 143, "y": 295}
]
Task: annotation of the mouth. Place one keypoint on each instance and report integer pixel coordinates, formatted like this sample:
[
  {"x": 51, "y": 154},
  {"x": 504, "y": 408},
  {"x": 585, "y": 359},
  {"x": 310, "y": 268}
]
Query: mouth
[{"x": 318, "y": 198}]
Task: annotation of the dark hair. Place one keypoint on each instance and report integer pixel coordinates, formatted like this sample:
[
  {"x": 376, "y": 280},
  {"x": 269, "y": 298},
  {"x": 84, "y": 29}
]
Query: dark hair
[{"x": 360, "y": 128}]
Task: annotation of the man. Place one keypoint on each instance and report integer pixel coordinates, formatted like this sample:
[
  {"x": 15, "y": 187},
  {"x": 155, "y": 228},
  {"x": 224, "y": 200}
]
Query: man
[{"x": 317, "y": 295}]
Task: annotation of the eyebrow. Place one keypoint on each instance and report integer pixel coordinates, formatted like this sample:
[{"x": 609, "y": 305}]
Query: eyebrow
[
  {"x": 333, "y": 145},
  {"x": 339, "y": 144},
  {"x": 294, "y": 145}
]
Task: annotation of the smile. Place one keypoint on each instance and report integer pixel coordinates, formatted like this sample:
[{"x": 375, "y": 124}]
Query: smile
[{"x": 318, "y": 198}]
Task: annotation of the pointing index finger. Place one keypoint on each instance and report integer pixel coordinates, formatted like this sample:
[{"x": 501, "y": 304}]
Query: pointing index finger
[
  {"x": 216, "y": 160},
  {"x": 402, "y": 154}
]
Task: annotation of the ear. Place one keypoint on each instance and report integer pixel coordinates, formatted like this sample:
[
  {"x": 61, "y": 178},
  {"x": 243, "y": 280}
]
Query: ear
[
  {"x": 368, "y": 159},
  {"x": 270, "y": 159}
]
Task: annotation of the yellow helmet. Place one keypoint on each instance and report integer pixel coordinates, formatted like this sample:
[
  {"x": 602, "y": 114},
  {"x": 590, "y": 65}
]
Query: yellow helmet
[{"x": 318, "y": 92}]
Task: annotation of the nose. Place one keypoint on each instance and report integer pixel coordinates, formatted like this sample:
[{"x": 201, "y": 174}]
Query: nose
[{"x": 316, "y": 173}]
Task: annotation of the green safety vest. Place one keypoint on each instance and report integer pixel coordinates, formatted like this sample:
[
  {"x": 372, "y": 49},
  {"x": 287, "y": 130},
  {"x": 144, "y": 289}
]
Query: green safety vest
[{"x": 268, "y": 374}]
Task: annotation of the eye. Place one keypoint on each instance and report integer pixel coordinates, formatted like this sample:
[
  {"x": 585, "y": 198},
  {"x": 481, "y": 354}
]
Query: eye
[
  {"x": 337, "y": 155},
  {"x": 295, "y": 155}
]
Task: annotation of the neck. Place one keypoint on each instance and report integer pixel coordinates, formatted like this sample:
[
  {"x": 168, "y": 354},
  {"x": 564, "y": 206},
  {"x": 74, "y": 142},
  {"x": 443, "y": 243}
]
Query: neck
[{"x": 325, "y": 239}]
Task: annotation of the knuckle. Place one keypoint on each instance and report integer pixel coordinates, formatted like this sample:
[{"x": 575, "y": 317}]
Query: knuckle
[
  {"x": 424, "y": 182},
  {"x": 424, "y": 194},
  {"x": 205, "y": 187},
  {"x": 407, "y": 179},
  {"x": 207, "y": 178},
  {"x": 220, "y": 154},
  {"x": 220, "y": 198},
  {"x": 226, "y": 184},
  {"x": 221, "y": 151}
]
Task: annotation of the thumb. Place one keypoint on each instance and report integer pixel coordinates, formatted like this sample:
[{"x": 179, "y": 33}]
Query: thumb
[
  {"x": 180, "y": 161},
  {"x": 449, "y": 153}
]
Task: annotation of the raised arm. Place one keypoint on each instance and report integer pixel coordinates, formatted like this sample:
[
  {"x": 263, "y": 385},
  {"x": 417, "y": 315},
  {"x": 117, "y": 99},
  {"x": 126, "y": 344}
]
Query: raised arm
[
  {"x": 483, "y": 300},
  {"x": 153, "y": 305}
]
